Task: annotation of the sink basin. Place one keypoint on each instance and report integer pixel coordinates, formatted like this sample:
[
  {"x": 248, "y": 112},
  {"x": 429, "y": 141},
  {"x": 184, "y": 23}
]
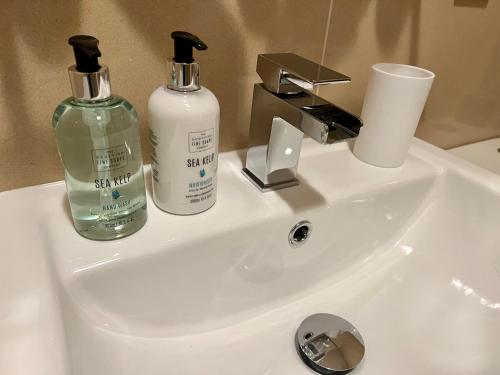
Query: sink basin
[{"x": 410, "y": 256}]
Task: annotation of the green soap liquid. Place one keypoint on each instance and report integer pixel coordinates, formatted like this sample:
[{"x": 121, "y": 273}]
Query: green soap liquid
[{"x": 100, "y": 151}]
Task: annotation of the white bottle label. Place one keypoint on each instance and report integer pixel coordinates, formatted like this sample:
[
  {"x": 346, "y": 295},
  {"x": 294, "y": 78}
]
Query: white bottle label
[
  {"x": 200, "y": 162},
  {"x": 108, "y": 159},
  {"x": 201, "y": 141},
  {"x": 187, "y": 184}
]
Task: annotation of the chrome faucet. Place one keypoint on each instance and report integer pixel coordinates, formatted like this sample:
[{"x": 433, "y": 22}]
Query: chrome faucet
[{"x": 283, "y": 110}]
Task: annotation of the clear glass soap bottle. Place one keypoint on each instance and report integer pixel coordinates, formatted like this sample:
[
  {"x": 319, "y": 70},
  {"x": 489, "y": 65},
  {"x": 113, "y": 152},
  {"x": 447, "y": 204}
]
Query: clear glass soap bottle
[{"x": 99, "y": 145}]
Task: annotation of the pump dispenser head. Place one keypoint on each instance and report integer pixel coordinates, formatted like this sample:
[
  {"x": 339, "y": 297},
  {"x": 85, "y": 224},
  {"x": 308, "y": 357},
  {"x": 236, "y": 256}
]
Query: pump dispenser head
[
  {"x": 86, "y": 53},
  {"x": 185, "y": 71},
  {"x": 89, "y": 80}
]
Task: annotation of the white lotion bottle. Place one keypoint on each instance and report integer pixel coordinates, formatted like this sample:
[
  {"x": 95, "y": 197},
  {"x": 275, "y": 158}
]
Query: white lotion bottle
[{"x": 184, "y": 134}]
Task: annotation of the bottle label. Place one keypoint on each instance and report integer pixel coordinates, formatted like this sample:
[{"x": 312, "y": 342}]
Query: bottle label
[
  {"x": 109, "y": 159},
  {"x": 112, "y": 179},
  {"x": 184, "y": 174},
  {"x": 201, "y": 141},
  {"x": 200, "y": 162},
  {"x": 201, "y": 187}
]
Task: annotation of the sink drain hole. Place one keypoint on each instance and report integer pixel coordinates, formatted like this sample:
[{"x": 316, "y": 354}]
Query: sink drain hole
[
  {"x": 300, "y": 233},
  {"x": 308, "y": 335}
]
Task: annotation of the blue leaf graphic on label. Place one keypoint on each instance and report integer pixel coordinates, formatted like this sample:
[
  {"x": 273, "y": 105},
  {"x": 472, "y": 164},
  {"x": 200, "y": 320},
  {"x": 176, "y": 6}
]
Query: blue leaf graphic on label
[
  {"x": 115, "y": 194},
  {"x": 202, "y": 172}
]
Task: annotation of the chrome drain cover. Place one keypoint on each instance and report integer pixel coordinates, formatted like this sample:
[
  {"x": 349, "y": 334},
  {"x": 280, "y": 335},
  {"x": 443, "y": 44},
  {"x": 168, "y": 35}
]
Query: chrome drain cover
[
  {"x": 329, "y": 344},
  {"x": 300, "y": 233}
]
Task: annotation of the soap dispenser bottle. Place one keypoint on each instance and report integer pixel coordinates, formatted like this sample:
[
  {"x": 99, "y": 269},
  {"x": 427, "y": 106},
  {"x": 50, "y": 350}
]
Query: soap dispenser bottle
[
  {"x": 98, "y": 141},
  {"x": 184, "y": 133}
]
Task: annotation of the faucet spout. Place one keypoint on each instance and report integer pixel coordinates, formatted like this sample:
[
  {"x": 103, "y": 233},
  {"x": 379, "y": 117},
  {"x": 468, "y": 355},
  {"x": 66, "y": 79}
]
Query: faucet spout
[
  {"x": 341, "y": 124},
  {"x": 318, "y": 115},
  {"x": 281, "y": 115}
]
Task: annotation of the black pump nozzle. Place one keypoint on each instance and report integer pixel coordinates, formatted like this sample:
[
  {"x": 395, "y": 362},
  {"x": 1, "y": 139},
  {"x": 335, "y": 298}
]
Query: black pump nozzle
[
  {"x": 183, "y": 46},
  {"x": 86, "y": 53}
]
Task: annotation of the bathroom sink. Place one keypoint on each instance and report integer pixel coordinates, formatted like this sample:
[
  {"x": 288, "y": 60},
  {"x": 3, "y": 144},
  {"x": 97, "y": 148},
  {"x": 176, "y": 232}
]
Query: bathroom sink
[
  {"x": 410, "y": 256},
  {"x": 485, "y": 154}
]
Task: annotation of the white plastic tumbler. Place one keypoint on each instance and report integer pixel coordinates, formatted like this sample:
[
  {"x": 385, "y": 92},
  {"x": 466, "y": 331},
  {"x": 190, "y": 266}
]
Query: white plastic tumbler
[{"x": 394, "y": 100}]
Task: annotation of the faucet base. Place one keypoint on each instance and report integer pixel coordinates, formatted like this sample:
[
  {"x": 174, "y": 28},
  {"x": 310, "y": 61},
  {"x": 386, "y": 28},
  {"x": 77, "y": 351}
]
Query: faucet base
[{"x": 267, "y": 187}]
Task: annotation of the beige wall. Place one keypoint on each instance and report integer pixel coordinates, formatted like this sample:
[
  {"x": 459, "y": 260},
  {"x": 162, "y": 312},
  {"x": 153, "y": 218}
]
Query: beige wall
[{"x": 458, "y": 39}]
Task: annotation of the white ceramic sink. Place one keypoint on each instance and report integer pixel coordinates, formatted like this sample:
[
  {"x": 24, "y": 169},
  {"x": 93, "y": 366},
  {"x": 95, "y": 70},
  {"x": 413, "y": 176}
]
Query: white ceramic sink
[
  {"x": 410, "y": 256},
  {"x": 484, "y": 154}
]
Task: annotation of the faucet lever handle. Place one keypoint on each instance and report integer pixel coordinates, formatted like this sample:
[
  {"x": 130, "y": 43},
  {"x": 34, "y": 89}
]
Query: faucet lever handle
[{"x": 289, "y": 73}]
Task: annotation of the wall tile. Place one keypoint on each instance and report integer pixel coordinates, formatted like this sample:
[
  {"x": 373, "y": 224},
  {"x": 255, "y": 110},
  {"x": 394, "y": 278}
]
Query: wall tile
[
  {"x": 462, "y": 46},
  {"x": 135, "y": 42},
  {"x": 458, "y": 40}
]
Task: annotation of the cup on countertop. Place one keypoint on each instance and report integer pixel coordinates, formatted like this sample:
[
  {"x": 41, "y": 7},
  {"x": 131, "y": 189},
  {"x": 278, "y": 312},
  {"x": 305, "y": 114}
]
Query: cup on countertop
[{"x": 394, "y": 100}]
